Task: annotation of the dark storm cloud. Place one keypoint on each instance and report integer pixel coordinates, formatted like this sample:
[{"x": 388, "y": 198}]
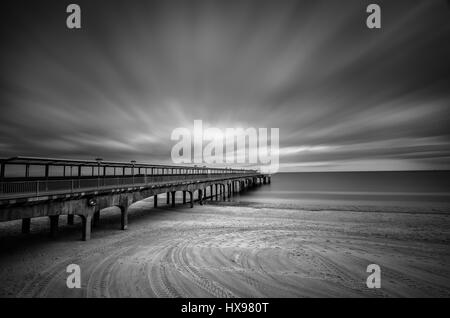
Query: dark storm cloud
[{"x": 343, "y": 96}]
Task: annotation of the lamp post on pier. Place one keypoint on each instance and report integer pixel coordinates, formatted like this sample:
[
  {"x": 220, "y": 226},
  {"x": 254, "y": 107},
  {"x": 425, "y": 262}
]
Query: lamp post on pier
[
  {"x": 99, "y": 162},
  {"x": 132, "y": 170}
]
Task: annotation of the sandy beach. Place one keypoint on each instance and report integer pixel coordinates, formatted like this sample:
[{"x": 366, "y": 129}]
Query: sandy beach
[{"x": 232, "y": 250}]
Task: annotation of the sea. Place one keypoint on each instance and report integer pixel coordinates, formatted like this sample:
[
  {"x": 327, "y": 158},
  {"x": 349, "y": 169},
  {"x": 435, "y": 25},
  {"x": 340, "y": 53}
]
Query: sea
[{"x": 400, "y": 191}]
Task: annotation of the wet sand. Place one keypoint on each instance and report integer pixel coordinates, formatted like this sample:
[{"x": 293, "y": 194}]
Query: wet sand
[{"x": 227, "y": 250}]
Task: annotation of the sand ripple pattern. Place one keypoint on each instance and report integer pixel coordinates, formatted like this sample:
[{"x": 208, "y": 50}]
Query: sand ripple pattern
[{"x": 220, "y": 253}]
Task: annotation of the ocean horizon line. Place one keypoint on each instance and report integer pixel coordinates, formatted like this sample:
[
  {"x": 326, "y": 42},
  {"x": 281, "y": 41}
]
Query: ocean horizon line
[{"x": 366, "y": 171}]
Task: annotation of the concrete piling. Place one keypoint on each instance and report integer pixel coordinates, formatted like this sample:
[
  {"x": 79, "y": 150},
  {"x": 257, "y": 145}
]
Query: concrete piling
[
  {"x": 123, "y": 217},
  {"x": 173, "y": 198},
  {"x": 191, "y": 195},
  {"x": 96, "y": 219},
  {"x": 200, "y": 196},
  {"x": 86, "y": 227}
]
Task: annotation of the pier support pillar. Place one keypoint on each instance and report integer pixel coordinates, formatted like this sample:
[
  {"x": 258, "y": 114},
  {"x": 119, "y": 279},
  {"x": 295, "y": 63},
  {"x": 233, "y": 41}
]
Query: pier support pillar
[
  {"x": 167, "y": 198},
  {"x": 26, "y": 225},
  {"x": 123, "y": 217},
  {"x": 191, "y": 196},
  {"x": 268, "y": 180},
  {"x": 264, "y": 180},
  {"x": 86, "y": 221},
  {"x": 155, "y": 201},
  {"x": 217, "y": 192},
  {"x": 70, "y": 218},
  {"x": 200, "y": 196},
  {"x": 96, "y": 219},
  {"x": 173, "y": 198},
  {"x": 53, "y": 225},
  {"x": 184, "y": 197}
]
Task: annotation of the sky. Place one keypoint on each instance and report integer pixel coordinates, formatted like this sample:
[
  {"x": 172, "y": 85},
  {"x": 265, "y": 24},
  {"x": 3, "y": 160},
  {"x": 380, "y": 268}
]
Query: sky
[{"x": 343, "y": 96}]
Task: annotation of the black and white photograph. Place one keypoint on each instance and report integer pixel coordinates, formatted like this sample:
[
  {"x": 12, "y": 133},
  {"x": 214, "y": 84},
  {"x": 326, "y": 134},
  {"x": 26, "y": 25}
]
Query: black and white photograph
[{"x": 238, "y": 149}]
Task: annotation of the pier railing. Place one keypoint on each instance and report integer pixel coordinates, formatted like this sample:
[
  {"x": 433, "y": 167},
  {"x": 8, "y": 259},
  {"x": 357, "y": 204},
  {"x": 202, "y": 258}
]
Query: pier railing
[
  {"x": 75, "y": 185},
  {"x": 31, "y": 176}
]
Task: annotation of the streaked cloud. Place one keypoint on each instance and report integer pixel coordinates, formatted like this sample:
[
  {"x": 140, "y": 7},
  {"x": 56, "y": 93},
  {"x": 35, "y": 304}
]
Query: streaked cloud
[{"x": 344, "y": 97}]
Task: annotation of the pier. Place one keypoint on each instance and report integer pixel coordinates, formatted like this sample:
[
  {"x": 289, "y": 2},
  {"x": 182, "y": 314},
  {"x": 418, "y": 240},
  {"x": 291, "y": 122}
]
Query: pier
[{"x": 33, "y": 187}]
